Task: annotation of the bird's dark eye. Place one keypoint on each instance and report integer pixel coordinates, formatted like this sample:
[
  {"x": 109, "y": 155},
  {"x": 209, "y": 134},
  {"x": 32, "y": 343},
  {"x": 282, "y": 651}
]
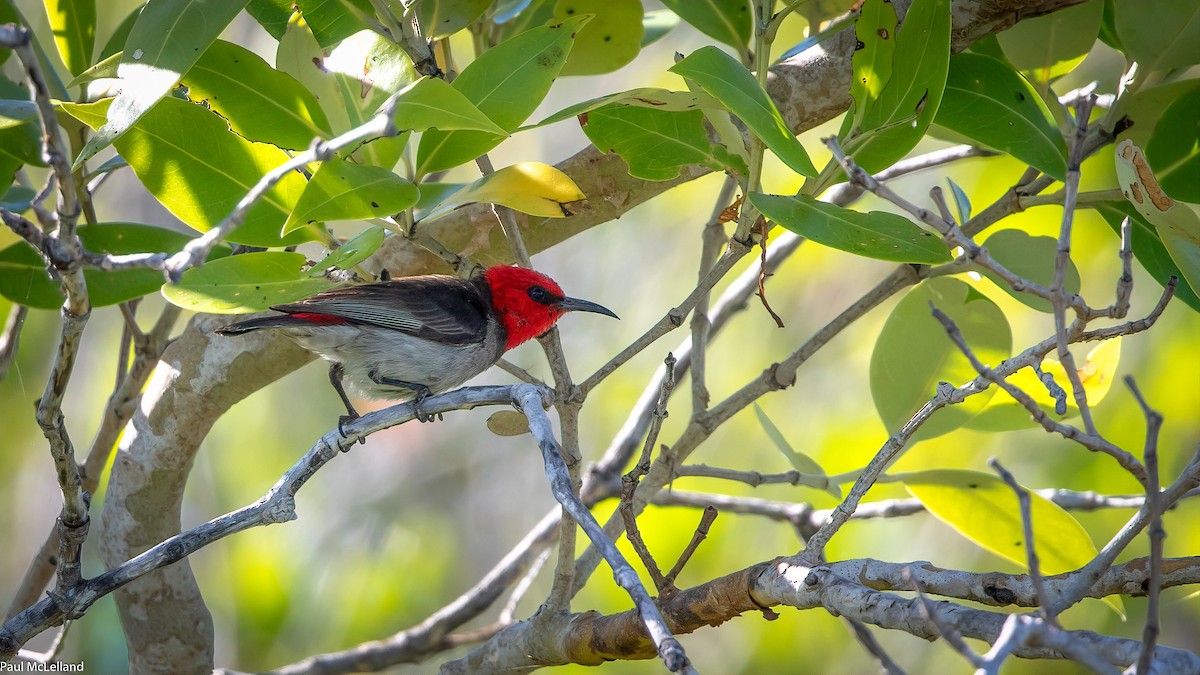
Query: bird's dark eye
[{"x": 539, "y": 294}]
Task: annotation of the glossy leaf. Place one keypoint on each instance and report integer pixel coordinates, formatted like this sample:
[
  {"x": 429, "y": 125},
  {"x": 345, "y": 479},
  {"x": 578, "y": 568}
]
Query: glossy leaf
[
  {"x": 334, "y": 20},
  {"x": 260, "y": 103},
  {"x": 506, "y": 83},
  {"x": 1030, "y": 258},
  {"x": 727, "y": 21},
  {"x": 198, "y": 169},
  {"x": 367, "y": 68},
  {"x": 351, "y": 253},
  {"x": 246, "y": 283},
  {"x": 990, "y": 103},
  {"x": 1159, "y": 34},
  {"x": 440, "y": 18},
  {"x": 105, "y": 68},
  {"x": 799, "y": 461},
  {"x": 1174, "y": 149},
  {"x": 875, "y": 29},
  {"x": 645, "y": 97},
  {"x": 730, "y": 83},
  {"x": 18, "y": 199},
  {"x": 610, "y": 40},
  {"x": 1097, "y": 372},
  {"x": 73, "y": 23},
  {"x": 656, "y": 143},
  {"x": 1177, "y": 225},
  {"x": 879, "y": 235},
  {"x": 165, "y": 41},
  {"x": 982, "y": 508},
  {"x": 897, "y": 119},
  {"x": 1148, "y": 249},
  {"x": 23, "y": 277},
  {"x": 530, "y": 187},
  {"x": 430, "y": 103},
  {"x": 340, "y": 190},
  {"x": 913, "y": 354},
  {"x": 1052, "y": 45},
  {"x": 116, "y": 41},
  {"x": 1146, "y": 107}
]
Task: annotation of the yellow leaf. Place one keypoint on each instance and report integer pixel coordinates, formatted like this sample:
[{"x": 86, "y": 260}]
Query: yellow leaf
[
  {"x": 1003, "y": 413},
  {"x": 530, "y": 187}
]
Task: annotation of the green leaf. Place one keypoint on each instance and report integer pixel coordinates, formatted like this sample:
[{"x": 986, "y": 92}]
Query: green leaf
[
  {"x": 433, "y": 104},
  {"x": 1148, "y": 249},
  {"x": 1174, "y": 149},
  {"x": 1177, "y": 225},
  {"x": 352, "y": 252},
  {"x": 730, "y": 83},
  {"x": 961, "y": 201},
  {"x": 1097, "y": 372},
  {"x": 167, "y": 39},
  {"x": 799, "y": 461},
  {"x": 1146, "y": 107},
  {"x": 18, "y": 199},
  {"x": 199, "y": 170},
  {"x": 116, "y": 41},
  {"x": 367, "y": 68},
  {"x": 1159, "y": 34},
  {"x": 727, "y": 21},
  {"x": 1052, "y": 45},
  {"x": 656, "y": 143},
  {"x": 991, "y": 103},
  {"x": 272, "y": 15},
  {"x": 879, "y": 235},
  {"x": 340, "y": 190},
  {"x": 14, "y": 113},
  {"x": 246, "y": 283},
  {"x": 529, "y": 187},
  {"x": 259, "y": 102},
  {"x": 656, "y": 24},
  {"x": 645, "y": 97},
  {"x": 105, "y": 68},
  {"x": 73, "y": 23},
  {"x": 894, "y": 122},
  {"x": 1030, "y": 258},
  {"x": 913, "y": 354},
  {"x": 440, "y": 18},
  {"x": 982, "y": 508},
  {"x": 334, "y": 20},
  {"x": 610, "y": 40},
  {"x": 23, "y": 277},
  {"x": 875, "y": 29},
  {"x": 506, "y": 83}
]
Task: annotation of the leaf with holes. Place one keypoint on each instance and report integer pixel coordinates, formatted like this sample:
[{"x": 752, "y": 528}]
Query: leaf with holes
[
  {"x": 340, "y": 190},
  {"x": 730, "y": 83}
]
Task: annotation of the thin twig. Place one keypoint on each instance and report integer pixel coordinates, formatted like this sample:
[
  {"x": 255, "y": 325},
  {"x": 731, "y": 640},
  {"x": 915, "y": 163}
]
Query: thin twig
[
  {"x": 10, "y": 337},
  {"x": 1156, "y": 532},
  {"x": 530, "y": 400},
  {"x": 698, "y": 537},
  {"x": 1031, "y": 557}
]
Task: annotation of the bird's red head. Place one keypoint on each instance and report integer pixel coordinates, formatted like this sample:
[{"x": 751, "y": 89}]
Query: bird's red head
[{"x": 528, "y": 303}]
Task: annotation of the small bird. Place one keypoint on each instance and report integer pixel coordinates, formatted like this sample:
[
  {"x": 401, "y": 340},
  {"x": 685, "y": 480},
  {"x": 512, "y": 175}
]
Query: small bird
[{"x": 415, "y": 336}]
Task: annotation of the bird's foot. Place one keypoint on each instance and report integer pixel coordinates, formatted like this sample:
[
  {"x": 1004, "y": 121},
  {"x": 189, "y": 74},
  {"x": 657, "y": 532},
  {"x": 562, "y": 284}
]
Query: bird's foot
[
  {"x": 422, "y": 392},
  {"x": 342, "y": 420}
]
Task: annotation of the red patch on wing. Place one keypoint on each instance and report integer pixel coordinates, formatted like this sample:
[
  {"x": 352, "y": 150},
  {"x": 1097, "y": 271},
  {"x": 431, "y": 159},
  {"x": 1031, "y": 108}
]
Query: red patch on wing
[{"x": 319, "y": 319}]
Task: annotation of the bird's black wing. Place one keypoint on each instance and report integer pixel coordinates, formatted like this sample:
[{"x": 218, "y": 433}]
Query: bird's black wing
[{"x": 435, "y": 307}]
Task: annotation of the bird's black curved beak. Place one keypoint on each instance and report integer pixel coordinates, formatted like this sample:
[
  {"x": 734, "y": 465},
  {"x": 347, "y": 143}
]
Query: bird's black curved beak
[{"x": 577, "y": 305}]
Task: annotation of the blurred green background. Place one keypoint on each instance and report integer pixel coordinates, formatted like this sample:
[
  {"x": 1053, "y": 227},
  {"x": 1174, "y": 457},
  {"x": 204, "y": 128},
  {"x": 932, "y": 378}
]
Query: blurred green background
[{"x": 397, "y": 528}]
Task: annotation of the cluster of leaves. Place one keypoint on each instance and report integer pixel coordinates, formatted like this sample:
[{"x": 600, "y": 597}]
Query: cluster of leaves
[{"x": 200, "y": 120}]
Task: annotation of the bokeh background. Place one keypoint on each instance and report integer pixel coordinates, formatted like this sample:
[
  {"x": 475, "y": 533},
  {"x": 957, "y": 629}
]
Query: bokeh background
[{"x": 397, "y": 528}]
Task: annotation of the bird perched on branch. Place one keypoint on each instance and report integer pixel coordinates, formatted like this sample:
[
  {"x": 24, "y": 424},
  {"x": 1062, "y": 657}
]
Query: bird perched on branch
[{"x": 416, "y": 336}]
